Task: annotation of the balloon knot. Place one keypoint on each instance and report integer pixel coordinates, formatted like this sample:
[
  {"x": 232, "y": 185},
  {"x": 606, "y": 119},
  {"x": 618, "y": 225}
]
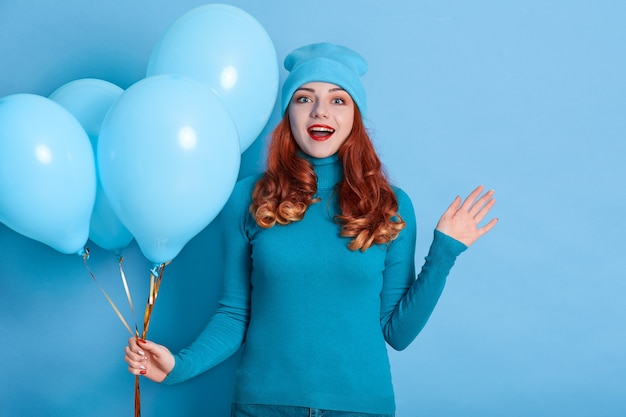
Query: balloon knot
[
  {"x": 155, "y": 270},
  {"x": 84, "y": 253}
]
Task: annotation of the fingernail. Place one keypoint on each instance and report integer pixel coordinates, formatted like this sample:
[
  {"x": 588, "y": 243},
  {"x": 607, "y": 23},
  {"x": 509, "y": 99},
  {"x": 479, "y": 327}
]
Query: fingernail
[
  {"x": 141, "y": 341},
  {"x": 142, "y": 372},
  {"x": 139, "y": 351},
  {"x": 142, "y": 367}
]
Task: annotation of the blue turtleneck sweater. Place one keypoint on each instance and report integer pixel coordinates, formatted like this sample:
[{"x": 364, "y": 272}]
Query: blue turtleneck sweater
[{"x": 313, "y": 316}]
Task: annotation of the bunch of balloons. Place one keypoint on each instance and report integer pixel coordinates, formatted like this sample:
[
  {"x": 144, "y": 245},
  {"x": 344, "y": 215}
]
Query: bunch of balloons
[{"x": 155, "y": 162}]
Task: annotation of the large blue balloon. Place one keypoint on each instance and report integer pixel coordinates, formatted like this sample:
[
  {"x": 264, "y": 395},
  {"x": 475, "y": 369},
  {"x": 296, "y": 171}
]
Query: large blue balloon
[
  {"x": 168, "y": 155},
  {"x": 89, "y": 100},
  {"x": 47, "y": 172},
  {"x": 229, "y": 50}
]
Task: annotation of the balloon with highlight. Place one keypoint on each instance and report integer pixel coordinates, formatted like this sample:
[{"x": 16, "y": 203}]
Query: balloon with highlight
[
  {"x": 229, "y": 50},
  {"x": 89, "y": 100},
  {"x": 47, "y": 172},
  {"x": 169, "y": 157}
]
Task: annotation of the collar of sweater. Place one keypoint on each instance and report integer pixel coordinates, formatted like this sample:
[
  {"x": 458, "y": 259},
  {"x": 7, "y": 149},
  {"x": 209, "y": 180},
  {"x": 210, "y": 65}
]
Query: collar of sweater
[{"x": 329, "y": 170}]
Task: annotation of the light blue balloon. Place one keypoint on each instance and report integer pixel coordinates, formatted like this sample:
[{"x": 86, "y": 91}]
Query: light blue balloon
[
  {"x": 89, "y": 100},
  {"x": 229, "y": 50},
  {"x": 47, "y": 172},
  {"x": 169, "y": 157}
]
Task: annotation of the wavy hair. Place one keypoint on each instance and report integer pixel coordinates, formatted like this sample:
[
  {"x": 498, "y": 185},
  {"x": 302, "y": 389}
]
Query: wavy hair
[{"x": 369, "y": 207}]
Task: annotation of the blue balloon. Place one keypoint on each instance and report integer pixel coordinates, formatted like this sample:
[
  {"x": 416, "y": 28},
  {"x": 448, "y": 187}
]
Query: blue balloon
[
  {"x": 47, "y": 172},
  {"x": 229, "y": 50},
  {"x": 168, "y": 155},
  {"x": 89, "y": 100}
]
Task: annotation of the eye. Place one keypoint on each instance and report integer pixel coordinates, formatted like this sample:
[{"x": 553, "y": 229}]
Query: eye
[
  {"x": 303, "y": 99},
  {"x": 338, "y": 100}
]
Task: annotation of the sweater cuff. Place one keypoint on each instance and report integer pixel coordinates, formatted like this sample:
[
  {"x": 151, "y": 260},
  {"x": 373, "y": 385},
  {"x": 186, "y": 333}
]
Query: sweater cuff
[
  {"x": 173, "y": 377},
  {"x": 446, "y": 246}
]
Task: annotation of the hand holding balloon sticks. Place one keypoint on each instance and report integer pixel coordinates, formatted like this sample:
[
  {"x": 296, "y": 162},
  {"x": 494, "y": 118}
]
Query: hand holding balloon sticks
[{"x": 156, "y": 275}]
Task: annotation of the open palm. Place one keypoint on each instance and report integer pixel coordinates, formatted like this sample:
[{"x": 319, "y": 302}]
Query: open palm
[{"x": 461, "y": 220}]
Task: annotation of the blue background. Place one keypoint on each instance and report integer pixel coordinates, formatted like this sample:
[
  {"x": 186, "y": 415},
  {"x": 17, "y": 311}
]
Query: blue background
[{"x": 528, "y": 98}]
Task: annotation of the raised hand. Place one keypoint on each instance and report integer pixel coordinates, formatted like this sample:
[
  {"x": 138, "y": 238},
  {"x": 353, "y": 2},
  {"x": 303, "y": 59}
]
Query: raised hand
[
  {"x": 461, "y": 220},
  {"x": 149, "y": 359}
]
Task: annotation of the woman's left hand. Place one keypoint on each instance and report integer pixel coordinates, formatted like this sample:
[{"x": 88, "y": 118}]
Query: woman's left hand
[{"x": 460, "y": 221}]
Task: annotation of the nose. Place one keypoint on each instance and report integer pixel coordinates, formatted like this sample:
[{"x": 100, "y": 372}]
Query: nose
[{"x": 319, "y": 110}]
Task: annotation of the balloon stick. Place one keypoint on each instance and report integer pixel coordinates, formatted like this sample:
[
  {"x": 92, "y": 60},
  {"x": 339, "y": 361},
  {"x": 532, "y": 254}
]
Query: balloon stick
[{"x": 156, "y": 274}]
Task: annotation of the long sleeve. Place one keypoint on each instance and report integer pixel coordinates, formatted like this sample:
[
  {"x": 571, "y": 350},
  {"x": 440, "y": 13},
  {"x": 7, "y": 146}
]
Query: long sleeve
[
  {"x": 406, "y": 301},
  {"x": 225, "y": 332},
  {"x": 311, "y": 311}
]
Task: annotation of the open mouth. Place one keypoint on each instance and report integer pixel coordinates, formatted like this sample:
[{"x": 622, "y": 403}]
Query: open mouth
[{"x": 320, "y": 132}]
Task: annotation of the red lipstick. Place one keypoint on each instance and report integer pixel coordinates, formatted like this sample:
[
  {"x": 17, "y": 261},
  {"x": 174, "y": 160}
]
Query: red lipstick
[{"x": 320, "y": 132}]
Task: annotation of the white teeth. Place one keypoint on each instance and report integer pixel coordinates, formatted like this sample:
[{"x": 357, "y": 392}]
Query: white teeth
[{"x": 321, "y": 129}]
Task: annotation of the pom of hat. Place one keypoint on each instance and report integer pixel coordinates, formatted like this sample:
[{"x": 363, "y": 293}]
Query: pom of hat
[{"x": 325, "y": 62}]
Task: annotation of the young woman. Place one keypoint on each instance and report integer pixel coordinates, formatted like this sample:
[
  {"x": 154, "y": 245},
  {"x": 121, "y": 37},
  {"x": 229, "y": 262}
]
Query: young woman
[{"x": 319, "y": 269}]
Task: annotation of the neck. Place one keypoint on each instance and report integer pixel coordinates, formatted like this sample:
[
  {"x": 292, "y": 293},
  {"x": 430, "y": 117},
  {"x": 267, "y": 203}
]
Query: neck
[{"x": 329, "y": 170}]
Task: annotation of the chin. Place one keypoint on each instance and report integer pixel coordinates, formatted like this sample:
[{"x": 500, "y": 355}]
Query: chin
[{"x": 320, "y": 152}]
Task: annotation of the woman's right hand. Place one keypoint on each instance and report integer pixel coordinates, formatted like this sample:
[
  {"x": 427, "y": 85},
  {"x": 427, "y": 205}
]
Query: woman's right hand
[{"x": 149, "y": 359}]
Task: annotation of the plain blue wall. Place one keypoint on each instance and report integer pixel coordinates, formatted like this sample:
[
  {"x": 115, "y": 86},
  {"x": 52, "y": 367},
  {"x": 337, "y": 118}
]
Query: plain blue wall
[{"x": 528, "y": 98}]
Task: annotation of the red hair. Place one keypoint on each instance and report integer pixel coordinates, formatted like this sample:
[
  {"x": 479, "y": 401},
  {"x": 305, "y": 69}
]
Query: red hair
[{"x": 369, "y": 207}]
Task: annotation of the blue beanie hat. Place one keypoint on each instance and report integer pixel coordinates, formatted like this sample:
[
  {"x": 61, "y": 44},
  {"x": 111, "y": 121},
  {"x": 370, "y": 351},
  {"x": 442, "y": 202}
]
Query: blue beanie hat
[{"x": 325, "y": 62}]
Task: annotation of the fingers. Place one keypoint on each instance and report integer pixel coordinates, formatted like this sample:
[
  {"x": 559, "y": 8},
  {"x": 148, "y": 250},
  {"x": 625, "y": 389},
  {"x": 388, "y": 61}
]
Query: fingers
[
  {"x": 462, "y": 218},
  {"x": 486, "y": 228},
  {"x": 137, "y": 363},
  {"x": 483, "y": 207},
  {"x": 479, "y": 207},
  {"x": 453, "y": 207},
  {"x": 471, "y": 199},
  {"x": 135, "y": 357}
]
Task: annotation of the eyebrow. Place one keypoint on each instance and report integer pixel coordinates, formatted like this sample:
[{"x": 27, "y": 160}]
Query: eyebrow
[{"x": 312, "y": 90}]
